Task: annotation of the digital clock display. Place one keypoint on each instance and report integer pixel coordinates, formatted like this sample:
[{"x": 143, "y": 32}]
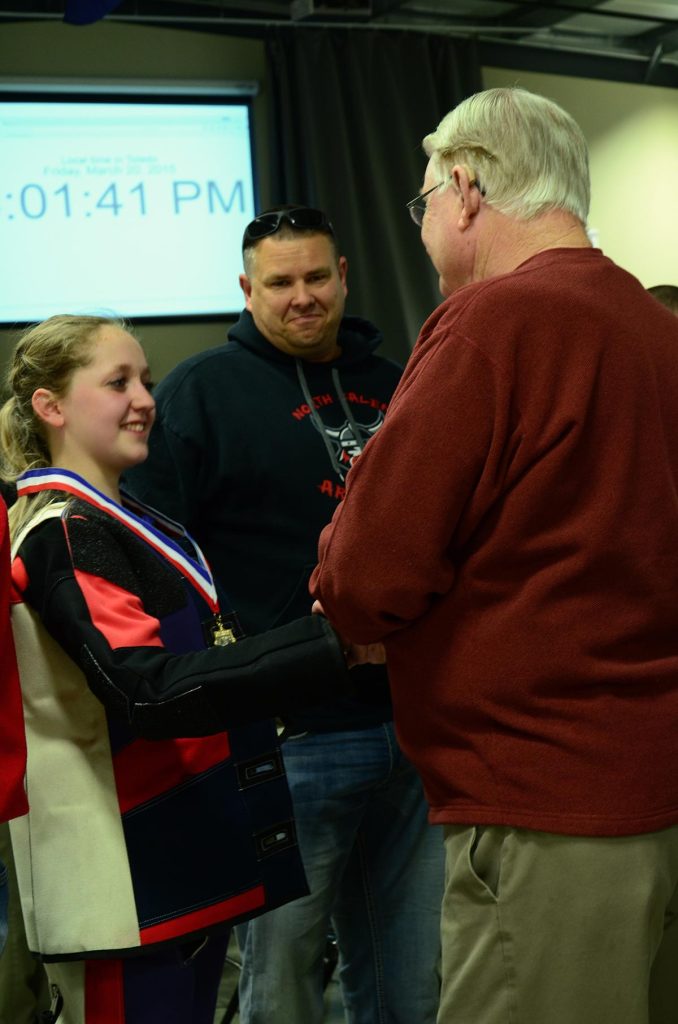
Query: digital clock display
[
  {"x": 134, "y": 208},
  {"x": 34, "y": 200}
]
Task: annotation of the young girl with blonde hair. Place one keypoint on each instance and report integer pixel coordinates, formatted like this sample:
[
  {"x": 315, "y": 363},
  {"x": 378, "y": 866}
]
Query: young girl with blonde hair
[{"x": 151, "y": 827}]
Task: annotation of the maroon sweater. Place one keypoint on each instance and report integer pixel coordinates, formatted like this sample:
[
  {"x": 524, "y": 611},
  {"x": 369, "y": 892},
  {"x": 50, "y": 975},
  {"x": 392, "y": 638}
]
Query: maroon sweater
[{"x": 511, "y": 534}]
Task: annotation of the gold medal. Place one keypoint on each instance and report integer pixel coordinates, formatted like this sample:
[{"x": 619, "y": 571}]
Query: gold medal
[{"x": 222, "y": 636}]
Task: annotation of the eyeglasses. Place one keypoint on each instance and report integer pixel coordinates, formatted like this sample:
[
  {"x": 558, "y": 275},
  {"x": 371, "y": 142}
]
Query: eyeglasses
[
  {"x": 298, "y": 216},
  {"x": 417, "y": 206}
]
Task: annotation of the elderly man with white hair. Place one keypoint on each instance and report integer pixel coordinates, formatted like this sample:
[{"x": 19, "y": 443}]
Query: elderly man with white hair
[{"x": 520, "y": 565}]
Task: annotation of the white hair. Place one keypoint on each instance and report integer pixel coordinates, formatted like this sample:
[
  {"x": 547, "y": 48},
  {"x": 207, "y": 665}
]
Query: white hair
[{"x": 526, "y": 153}]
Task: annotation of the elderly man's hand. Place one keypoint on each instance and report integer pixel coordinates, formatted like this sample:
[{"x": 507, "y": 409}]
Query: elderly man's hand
[
  {"x": 364, "y": 654},
  {"x": 357, "y": 654}
]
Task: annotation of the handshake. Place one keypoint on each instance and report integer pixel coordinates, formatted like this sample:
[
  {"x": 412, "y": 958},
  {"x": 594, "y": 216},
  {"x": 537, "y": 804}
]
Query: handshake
[{"x": 357, "y": 654}]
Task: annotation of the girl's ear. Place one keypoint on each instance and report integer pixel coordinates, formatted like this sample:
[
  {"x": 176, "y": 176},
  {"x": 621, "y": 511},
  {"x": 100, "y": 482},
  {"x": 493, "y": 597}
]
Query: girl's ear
[{"x": 47, "y": 408}]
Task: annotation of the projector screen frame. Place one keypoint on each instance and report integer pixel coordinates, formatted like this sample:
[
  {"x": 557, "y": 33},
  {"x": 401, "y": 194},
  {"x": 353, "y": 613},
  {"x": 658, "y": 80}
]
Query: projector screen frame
[{"x": 92, "y": 90}]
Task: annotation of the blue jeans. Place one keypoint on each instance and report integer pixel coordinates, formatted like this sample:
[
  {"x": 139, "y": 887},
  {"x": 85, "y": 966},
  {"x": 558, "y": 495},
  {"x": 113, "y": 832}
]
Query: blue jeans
[{"x": 375, "y": 869}]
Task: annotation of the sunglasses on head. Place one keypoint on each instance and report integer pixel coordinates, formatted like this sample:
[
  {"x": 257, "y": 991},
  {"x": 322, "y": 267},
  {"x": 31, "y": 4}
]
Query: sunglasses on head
[{"x": 298, "y": 216}]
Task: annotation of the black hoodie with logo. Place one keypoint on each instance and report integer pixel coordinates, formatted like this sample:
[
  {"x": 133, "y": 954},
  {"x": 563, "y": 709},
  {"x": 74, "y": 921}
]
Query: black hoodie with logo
[{"x": 250, "y": 452}]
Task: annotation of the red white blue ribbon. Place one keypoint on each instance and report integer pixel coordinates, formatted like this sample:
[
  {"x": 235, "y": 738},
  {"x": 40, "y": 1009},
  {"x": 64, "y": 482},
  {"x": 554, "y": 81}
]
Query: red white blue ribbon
[{"x": 196, "y": 570}]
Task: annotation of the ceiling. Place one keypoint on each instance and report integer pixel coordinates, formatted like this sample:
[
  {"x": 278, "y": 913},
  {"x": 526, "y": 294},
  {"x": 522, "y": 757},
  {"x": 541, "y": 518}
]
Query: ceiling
[{"x": 622, "y": 40}]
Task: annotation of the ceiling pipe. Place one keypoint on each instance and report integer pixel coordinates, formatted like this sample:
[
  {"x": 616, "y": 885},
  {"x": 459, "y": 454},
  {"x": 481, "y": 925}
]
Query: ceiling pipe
[{"x": 653, "y": 63}]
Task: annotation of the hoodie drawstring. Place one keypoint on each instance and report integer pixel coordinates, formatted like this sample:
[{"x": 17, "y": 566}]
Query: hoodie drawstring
[{"x": 318, "y": 421}]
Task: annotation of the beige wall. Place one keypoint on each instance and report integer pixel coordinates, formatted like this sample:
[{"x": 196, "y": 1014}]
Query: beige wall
[
  {"x": 632, "y": 131},
  {"x": 112, "y": 50}
]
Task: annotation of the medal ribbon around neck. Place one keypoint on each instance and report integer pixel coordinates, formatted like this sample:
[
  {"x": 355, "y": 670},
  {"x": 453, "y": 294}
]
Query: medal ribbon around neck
[{"x": 195, "y": 570}]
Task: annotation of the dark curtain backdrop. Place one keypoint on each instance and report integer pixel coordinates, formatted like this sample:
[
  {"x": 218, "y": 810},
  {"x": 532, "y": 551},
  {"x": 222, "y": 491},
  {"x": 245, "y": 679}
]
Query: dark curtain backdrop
[{"x": 350, "y": 109}]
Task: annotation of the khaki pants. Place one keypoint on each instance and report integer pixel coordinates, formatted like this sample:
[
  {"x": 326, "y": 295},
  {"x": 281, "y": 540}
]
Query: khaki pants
[{"x": 548, "y": 929}]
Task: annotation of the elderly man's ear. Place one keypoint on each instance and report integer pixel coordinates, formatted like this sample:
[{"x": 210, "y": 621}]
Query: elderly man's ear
[{"x": 470, "y": 194}]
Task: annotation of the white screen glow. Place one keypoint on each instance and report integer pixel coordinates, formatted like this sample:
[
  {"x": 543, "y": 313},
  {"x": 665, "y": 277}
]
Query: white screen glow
[{"x": 130, "y": 208}]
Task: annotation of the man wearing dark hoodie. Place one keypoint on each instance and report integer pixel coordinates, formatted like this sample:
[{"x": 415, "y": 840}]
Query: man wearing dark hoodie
[{"x": 250, "y": 451}]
